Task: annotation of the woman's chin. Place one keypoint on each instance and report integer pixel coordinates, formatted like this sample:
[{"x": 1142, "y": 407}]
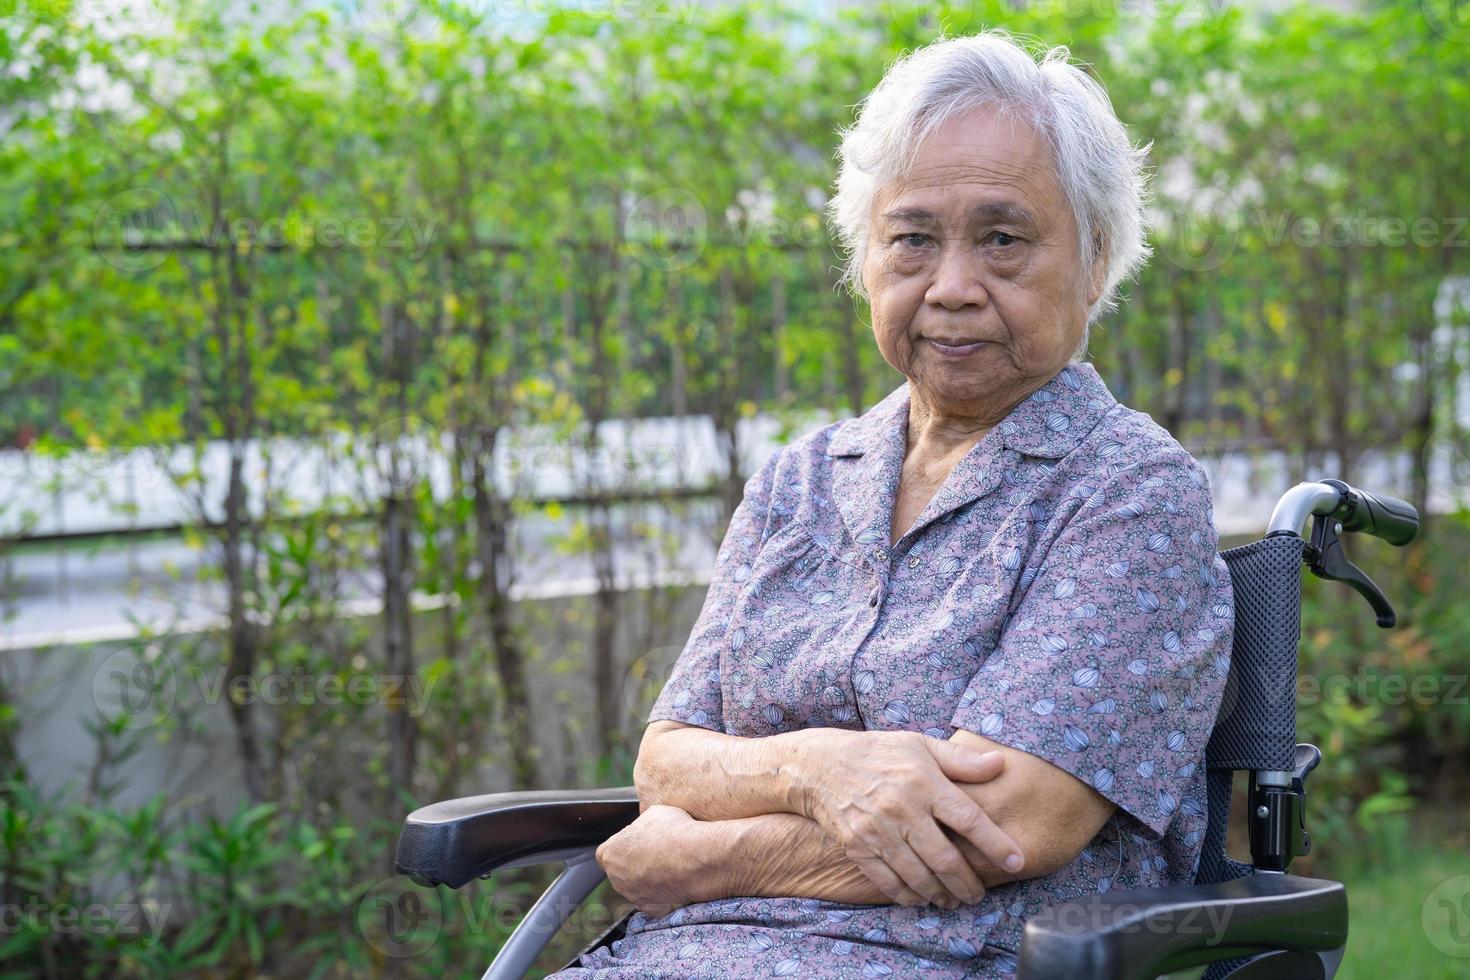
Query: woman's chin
[{"x": 956, "y": 381}]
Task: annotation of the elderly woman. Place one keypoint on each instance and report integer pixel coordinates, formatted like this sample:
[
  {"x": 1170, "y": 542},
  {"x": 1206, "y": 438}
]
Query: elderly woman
[{"x": 961, "y": 655}]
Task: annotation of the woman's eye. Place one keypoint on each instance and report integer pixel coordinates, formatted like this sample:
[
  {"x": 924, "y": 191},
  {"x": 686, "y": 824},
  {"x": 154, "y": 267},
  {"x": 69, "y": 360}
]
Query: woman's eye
[
  {"x": 913, "y": 239},
  {"x": 1003, "y": 239}
]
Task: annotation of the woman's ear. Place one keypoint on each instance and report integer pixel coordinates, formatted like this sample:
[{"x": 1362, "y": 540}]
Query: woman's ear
[{"x": 1098, "y": 273}]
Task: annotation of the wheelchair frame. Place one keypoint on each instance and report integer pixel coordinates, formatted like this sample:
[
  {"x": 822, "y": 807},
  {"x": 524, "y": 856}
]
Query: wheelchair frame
[{"x": 1270, "y": 923}]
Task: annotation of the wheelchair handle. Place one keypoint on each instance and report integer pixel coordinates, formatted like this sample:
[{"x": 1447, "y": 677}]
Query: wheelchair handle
[
  {"x": 1394, "y": 520},
  {"x": 1337, "y": 507}
]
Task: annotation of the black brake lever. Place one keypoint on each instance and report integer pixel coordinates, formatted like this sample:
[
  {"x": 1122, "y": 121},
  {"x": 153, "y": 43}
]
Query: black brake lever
[
  {"x": 1327, "y": 559},
  {"x": 1304, "y": 760}
]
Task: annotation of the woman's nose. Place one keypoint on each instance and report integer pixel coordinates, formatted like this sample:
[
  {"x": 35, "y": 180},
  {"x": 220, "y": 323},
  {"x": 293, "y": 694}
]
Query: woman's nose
[{"x": 956, "y": 282}]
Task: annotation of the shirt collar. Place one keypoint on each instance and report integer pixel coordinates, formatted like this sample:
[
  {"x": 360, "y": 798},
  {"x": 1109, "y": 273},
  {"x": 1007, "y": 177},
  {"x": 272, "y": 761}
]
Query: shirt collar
[{"x": 1050, "y": 422}]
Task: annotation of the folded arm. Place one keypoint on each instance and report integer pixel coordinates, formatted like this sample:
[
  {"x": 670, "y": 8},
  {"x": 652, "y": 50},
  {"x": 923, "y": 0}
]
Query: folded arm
[
  {"x": 666, "y": 859},
  {"x": 885, "y": 797},
  {"x": 713, "y": 776},
  {"x": 766, "y": 825},
  {"x": 1049, "y": 812}
]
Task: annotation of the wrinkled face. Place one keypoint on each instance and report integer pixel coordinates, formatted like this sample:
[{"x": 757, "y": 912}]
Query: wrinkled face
[{"x": 974, "y": 274}]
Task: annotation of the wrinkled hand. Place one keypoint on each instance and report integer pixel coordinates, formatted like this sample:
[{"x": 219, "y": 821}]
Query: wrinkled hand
[
  {"x": 887, "y": 798},
  {"x": 655, "y": 862}
]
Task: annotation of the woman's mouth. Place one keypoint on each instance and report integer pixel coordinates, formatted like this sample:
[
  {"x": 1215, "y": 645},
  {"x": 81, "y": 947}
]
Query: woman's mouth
[{"x": 955, "y": 348}]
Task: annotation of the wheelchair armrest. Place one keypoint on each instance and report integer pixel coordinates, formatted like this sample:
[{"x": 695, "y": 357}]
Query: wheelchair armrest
[
  {"x": 450, "y": 843},
  {"x": 1150, "y": 931}
]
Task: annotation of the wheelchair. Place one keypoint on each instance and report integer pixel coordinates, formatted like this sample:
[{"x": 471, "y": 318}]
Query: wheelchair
[{"x": 1264, "y": 922}]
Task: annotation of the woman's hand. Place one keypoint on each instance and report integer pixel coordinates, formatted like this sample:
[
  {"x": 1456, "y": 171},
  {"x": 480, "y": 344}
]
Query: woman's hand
[
  {"x": 886, "y": 798},
  {"x": 657, "y": 863}
]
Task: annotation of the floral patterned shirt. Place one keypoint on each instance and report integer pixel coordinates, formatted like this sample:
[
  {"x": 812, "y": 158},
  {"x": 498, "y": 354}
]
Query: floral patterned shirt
[{"x": 1060, "y": 594}]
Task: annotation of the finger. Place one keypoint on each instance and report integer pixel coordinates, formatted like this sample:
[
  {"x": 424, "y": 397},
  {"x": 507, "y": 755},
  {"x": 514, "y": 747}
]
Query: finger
[
  {"x": 962, "y": 764},
  {"x": 944, "y": 859},
  {"x": 966, "y": 817},
  {"x": 895, "y": 870},
  {"x": 917, "y": 875},
  {"x": 886, "y": 881}
]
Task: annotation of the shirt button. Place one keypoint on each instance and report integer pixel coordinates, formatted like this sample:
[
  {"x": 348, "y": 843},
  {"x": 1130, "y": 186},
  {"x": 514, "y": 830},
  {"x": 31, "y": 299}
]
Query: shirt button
[
  {"x": 913, "y": 562},
  {"x": 882, "y": 556},
  {"x": 873, "y": 599}
]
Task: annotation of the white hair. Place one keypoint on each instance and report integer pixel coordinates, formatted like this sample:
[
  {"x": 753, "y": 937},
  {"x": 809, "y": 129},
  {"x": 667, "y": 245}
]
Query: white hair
[{"x": 1099, "y": 170}]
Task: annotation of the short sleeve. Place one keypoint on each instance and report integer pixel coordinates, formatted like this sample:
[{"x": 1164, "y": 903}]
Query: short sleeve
[
  {"x": 1112, "y": 664},
  {"x": 692, "y": 693}
]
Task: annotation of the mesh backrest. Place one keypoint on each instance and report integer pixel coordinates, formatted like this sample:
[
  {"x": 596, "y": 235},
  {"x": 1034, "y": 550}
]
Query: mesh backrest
[{"x": 1256, "y": 727}]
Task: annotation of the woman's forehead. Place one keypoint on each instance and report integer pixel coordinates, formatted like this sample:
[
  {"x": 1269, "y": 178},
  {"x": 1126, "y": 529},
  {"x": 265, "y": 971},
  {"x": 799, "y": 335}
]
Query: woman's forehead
[
  {"x": 971, "y": 197},
  {"x": 975, "y": 160},
  {"x": 983, "y": 134},
  {"x": 999, "y": 210}
]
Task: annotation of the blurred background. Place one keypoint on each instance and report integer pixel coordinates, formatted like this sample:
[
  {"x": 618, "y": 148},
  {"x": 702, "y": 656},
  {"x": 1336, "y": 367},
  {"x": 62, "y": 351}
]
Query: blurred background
[{"x": 377, "y": 379}]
